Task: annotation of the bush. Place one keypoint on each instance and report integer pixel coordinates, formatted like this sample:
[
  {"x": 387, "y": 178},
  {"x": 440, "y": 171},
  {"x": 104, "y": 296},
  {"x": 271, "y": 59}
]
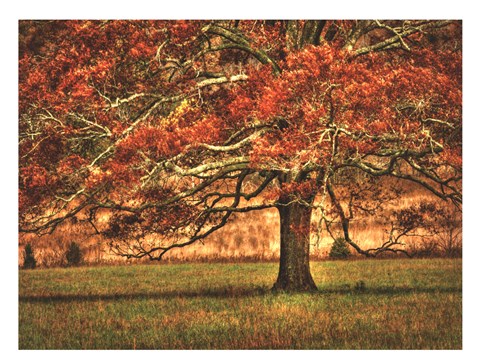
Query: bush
[
  {"x": 360, "y": 286},
  {"x": 74, "y": 254},
  {"x": 339, "y": 249},
  {"x": 29, "y": 261}
]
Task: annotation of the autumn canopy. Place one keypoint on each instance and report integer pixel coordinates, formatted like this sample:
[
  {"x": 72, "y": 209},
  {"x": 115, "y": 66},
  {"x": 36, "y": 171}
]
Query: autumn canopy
[{"x": 176, "y": 126}]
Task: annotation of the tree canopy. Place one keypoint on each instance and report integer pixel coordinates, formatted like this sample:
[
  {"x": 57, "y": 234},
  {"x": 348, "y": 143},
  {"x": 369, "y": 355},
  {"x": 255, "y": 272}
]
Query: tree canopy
[{"x": 175, "y": 126}]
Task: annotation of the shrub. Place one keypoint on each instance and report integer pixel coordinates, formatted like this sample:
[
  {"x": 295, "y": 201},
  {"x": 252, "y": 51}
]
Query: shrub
[
  {"x": 360, "y": 286},
  {"x": 425, "y": 248},
  {"x": 29, "y": 261},
  {"x": 74, "y": 254},
  {"x": 339, "y": 249}
]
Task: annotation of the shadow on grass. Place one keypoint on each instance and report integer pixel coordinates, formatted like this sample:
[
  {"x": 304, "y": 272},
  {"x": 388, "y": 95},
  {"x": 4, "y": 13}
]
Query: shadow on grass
[{"x": 229, "y": 293}]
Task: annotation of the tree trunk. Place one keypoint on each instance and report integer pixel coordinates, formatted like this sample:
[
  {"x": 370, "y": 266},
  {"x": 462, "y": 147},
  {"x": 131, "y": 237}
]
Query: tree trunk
[{"x": 294, "y": 273}]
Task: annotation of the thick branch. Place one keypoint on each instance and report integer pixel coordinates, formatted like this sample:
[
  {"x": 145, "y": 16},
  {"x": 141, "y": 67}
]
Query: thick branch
[
  {"x": 243, "y": 44},
  {"x": 397, "y": 40}
]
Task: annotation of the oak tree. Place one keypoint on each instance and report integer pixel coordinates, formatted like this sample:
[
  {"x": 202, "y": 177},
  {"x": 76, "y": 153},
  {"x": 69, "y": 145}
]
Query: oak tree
[{"x": 176, "y": 126}]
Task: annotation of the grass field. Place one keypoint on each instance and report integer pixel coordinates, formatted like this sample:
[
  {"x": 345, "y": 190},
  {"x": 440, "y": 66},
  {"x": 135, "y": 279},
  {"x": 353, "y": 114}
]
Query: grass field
[{"x": 364, "y": 304}]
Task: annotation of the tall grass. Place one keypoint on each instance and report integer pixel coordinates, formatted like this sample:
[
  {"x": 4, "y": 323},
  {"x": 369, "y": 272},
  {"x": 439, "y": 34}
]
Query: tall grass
[
  {"x": 251, "y": 236},
  {"x": 380, "y": 304}
]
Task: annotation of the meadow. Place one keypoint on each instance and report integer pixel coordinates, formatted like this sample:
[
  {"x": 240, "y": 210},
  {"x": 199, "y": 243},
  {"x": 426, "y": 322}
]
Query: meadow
[{"x": 361, "y": 304}]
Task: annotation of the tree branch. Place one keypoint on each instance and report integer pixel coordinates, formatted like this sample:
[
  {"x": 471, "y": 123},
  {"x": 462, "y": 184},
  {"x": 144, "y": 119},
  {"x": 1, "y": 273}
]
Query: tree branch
[{"x": 397, "y": 40}]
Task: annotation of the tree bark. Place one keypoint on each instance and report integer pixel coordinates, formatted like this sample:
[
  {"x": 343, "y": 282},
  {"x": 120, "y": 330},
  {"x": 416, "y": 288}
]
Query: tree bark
[{"x": 294, "y": 273}]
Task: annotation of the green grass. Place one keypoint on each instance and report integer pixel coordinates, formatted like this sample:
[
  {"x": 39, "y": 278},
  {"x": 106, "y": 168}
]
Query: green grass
[{"x": 379, "y": 304}]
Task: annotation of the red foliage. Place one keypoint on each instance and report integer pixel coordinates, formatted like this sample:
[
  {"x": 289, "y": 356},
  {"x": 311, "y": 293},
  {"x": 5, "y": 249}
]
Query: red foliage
[
  {"x": 90, "y": 104},
  {"x": 33, "y": 176}
]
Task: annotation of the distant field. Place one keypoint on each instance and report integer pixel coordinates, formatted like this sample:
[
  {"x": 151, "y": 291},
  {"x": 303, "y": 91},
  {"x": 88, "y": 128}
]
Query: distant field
[
  {"x": 364, "y": 304},
  {"x": 252, "y": 236}
]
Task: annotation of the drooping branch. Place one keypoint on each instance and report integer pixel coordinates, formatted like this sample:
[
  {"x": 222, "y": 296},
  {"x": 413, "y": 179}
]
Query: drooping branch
[
  {"x": 199, "y": 234},
  {"x": 389, "y": 246}
]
